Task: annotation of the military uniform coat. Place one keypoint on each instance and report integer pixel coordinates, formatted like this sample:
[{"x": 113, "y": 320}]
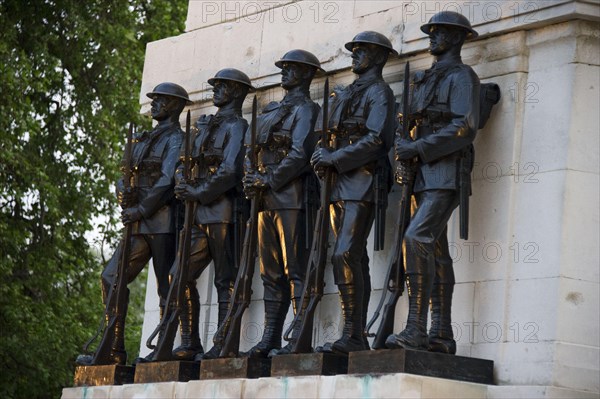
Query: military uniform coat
[
  {"x": 218, "y": 156},
  {"x": 363, "y": 120},
  {"x": 286, "y": 140},
  {"x": 445, "y": 102},
  {"x": 155, "y": 156}
]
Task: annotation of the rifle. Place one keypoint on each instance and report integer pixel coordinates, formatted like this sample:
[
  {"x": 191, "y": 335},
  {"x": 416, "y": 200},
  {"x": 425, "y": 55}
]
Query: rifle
[
  {"x": 380, "y": 208},
  {"x": 464, "y": 191},
  {"x": 118, "y": 296},
  {"x": 395, "y": 275},
  {"x": 228, "y": 334},
  {"x": 240, "y": 211},
  {"x": 175, "y": 298},
  {"x": 313, "y": 282}
]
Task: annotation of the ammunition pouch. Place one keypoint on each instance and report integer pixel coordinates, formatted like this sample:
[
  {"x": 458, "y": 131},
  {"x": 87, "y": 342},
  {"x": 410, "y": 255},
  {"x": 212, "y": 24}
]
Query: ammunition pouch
[
  {"x": 343, "y": 138},
  {"x": 268, "y": 157},
  {"x": 437, "y": 115},
  {"x": 349, "y": 131},
  {"x": 353, "y": 125},
  {"x": 432, "y": 119},
  {"x": 149, "y": 172},
  {"x": 275, "y": 150},
  {"x": 426, "y": 128},
  {"x": 280, "y": 139},
  {"x": 213, "y": 159},
  {"x": 204, "y": 173}
]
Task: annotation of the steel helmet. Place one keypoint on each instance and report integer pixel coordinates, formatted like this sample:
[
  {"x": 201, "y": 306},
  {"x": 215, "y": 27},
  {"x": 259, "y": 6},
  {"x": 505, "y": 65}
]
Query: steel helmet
[
  {"x": 371, "y": 37},
  {"x": 233, "y": 75},
  {"x": 450, "y": 18},
  {"x": 300, "y": 57},
  {"x": 170, "y": 89}
]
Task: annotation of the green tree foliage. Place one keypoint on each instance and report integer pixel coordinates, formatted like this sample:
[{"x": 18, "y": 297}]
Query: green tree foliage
[{"x": 70, "y": 73}]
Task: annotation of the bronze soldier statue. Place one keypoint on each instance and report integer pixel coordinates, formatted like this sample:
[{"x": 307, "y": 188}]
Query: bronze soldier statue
[
  {"x": 445, "y": 110},
  {"x": 218, "y": 157},
  {"x": 363, "y": 123},
  {"x": 286, "y": 139},
  {"x": 150, "y": 207}
]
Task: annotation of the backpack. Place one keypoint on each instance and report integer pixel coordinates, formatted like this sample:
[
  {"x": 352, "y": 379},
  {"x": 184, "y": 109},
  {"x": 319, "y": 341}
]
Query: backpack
[{"x": 489, "y": 95}]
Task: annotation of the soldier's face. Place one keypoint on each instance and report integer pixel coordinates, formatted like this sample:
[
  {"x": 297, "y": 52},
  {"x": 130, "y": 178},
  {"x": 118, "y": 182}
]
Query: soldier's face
[
  {"x": 159, "y": 108},
  {"x": 362, "y": 58},
  {"x": 222, "y": 93},
  {"x": 291, "y": 75},
  {"x": 441, "y": 39}
]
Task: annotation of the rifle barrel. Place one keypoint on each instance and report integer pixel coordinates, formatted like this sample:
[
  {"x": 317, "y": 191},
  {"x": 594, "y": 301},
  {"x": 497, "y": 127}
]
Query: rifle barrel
[
  {"x": 229, "y": 331},
  {"x": 313, "y": 282}
]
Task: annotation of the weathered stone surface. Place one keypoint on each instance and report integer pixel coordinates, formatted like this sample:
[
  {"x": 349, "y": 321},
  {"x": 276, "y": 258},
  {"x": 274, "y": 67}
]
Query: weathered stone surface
[
  {"x": 153, "y": 390},
  {"x": 166, "y": 372},
  {"x": 308, "y": 364},
  {"x": 213, "y": 389},
  {"x": 103, "y": 375},
  {"x": 238, "y": 367},
  {"x": 392, "y": 386}
]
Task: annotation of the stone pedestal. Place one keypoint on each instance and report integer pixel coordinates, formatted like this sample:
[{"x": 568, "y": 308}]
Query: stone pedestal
[
  {"x": 422, "y": 363},
  {"x": 167, "y": 371},
  {"x": 308, "y": 364},
  {"x": 237, "y": 367},
  {"x": 103, "y": 375},
  {"x": 392, "y": 386}
]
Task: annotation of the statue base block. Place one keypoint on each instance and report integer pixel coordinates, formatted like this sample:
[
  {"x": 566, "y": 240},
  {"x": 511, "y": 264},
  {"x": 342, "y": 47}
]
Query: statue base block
[
  {"x": 181, "y": 371},
  {"x": 235, "y": 367},
  {"x": 424, "y": 363},
  {"x": 308, "y": 364},
  {"x": 103, "y": 375}
]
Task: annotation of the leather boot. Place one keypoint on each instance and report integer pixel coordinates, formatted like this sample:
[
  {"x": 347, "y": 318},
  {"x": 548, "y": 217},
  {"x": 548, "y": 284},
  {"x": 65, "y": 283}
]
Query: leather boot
[
  {"x": 275, "y": 313},
  {"x": 215, "y": 351},
  {"x": 441, "y": 336},
  {"x": 117, "y": 354},
  {"x": 352, "y": 339},
  {"x": 189, "y": 326},
  {"x": 414, "y": 336}
]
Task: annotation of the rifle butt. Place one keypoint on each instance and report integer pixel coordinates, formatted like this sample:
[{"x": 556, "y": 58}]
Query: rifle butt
[
  {"x": 464, "y": 214},
  {"x": 164, "y": 347},
  {"x": 303, "y": 343},
  {"x": 117, "y": 300},
  {"x": 102, "y": 355},
  {"x": 231, "y": 342},
  {"x": 386, "y": 327},
  {"x": 303, "y": 340}
]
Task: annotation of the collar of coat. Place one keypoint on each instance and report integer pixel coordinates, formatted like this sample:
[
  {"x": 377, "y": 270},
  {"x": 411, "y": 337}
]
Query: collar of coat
[{"x": 158, "y": 130}]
